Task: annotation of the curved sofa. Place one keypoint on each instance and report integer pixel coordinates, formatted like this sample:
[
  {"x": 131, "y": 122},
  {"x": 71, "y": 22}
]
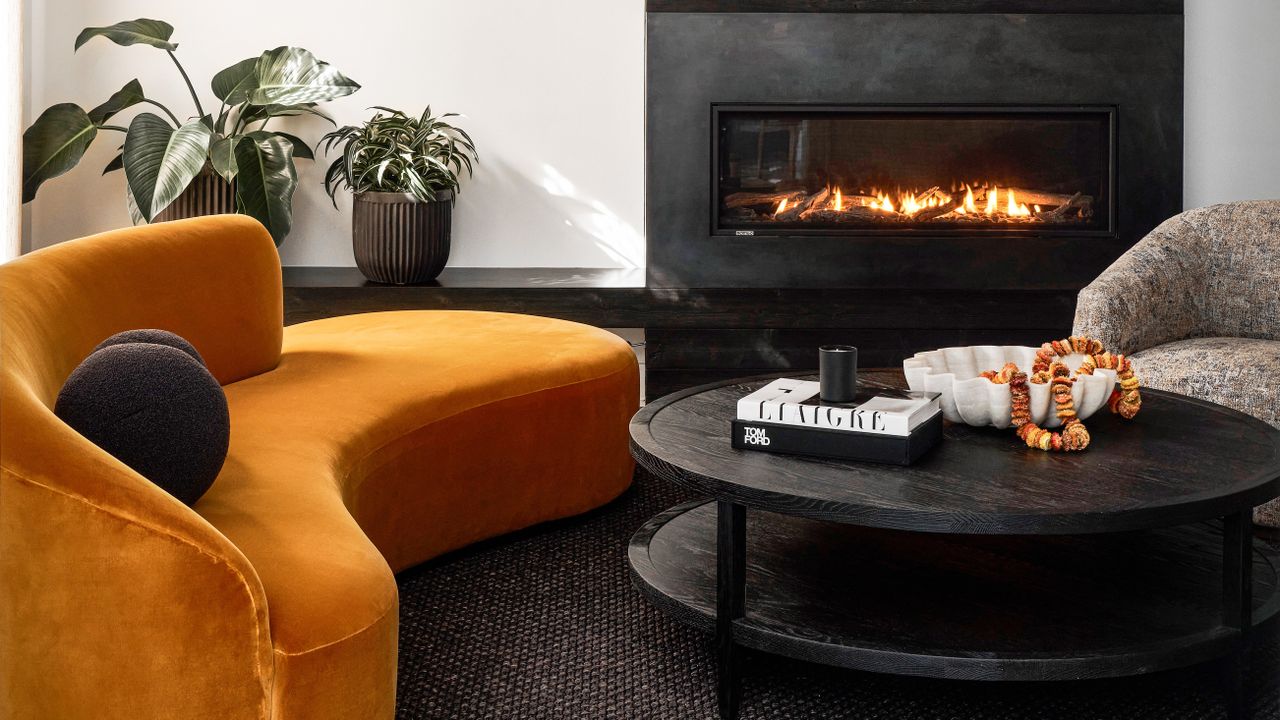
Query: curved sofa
[{"x": 360, "y": 445}]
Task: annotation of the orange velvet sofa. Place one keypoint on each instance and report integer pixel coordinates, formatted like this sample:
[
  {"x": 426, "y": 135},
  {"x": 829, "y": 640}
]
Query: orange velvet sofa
[{"x": 360, "y": 445}]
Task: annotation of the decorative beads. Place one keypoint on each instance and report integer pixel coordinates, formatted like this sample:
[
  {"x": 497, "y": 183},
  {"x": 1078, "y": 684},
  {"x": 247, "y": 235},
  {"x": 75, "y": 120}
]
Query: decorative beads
[
  {"x": 1125, "y": 401},
  {"x": 1002, "y": 377},
  {"x": 1047, "y": 368}
]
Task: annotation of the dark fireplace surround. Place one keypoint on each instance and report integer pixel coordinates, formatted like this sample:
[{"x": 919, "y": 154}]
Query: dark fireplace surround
[{"x": 943, "y": 106}]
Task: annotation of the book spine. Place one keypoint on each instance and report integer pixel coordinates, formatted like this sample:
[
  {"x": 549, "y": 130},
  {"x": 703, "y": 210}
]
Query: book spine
[{"x": 865, "y": 447}]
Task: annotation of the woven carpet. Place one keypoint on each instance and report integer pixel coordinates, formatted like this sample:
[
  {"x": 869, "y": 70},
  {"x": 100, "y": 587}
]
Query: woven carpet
[{"x": 545, "y": 624}]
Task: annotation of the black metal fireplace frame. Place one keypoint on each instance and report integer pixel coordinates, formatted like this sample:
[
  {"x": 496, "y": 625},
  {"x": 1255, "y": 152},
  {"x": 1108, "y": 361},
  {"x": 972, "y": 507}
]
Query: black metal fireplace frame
[{"x": 717, "y": 229}]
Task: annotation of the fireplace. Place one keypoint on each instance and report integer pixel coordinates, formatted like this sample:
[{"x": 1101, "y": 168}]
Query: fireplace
[
  {"x": 797, "y": 170},
  {"x": 906, "y": 108},
  {"x": 899, "y": 175}
]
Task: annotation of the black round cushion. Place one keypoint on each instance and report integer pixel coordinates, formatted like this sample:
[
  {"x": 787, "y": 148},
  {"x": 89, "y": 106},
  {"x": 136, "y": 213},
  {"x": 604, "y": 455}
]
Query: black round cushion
[
  {"x": 155, "y": 337},
  {"x": 155, "y": 409}
]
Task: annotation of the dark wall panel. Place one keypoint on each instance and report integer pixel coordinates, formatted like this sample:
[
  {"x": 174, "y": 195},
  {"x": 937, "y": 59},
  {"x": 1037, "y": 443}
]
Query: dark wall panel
[{"x": 1131, "y": 61}]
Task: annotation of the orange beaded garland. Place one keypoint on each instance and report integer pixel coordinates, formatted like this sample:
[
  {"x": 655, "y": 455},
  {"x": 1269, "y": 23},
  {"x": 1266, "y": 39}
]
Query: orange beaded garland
[{"x": 1124, "y": 401}]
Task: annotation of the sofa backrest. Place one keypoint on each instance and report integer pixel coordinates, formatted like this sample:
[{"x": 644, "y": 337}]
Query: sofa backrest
[{"x": 213, "y": 280}]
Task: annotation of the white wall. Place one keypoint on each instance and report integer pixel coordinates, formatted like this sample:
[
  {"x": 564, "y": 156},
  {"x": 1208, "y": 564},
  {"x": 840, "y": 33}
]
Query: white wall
[
  {"x": 1232, "y": 140},
  {"x": 11, "y": 129},
  {"x": 553, "y": 92}
]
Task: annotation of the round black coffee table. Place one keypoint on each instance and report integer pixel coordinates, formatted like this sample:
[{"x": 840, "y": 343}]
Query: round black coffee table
[{"x": 984, "y": 560}]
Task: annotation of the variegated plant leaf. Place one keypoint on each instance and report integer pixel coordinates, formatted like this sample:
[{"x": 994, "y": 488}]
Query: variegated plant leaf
[
  {"x": 222, "y": 155},
  {"x": 53, "y": 144},
  {"x": 125, "y": 97},
  {"x": 159, "y": 161},
  {"x": 292, "y": 75},
  {"x": 266, "y": 181},
  {"x": 155, "y": 33}
]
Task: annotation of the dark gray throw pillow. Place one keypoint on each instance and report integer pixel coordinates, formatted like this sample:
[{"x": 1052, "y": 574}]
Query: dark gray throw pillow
[
  {"x": 156, "y": 409},
  {"x": 154, "y": 337}
]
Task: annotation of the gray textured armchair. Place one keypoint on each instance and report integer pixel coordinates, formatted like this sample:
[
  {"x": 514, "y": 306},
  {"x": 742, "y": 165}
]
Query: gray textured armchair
[{"x": 1196, "y": 305}]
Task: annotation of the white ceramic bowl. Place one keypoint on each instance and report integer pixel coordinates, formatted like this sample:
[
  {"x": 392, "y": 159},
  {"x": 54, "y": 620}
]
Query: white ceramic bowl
[{"x": 974, "y": 400}]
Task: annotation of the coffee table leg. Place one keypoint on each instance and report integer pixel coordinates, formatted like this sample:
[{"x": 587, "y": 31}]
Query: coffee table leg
[
  {"x": 1237, "y": 603},
  {"x": 731, "y": 587}
]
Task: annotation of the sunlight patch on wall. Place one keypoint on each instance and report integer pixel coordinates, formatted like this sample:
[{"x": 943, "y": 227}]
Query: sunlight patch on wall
[{"x": 615, "y": 237}]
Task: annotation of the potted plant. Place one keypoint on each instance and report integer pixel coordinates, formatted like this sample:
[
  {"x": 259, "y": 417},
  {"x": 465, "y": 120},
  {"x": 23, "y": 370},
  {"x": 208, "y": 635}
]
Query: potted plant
[
  {"x": 209, "y": 163},
  {"x": 403, "y": 173}
]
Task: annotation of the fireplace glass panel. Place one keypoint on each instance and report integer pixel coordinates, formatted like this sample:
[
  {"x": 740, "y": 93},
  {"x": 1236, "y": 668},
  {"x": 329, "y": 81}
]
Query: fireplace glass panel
[{"x": 856, "y": 170}]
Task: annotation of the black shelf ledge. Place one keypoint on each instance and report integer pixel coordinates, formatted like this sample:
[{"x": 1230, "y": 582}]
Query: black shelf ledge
[
  {"x": 619, "y": 298},
  {"x": 603, "y": 297}
]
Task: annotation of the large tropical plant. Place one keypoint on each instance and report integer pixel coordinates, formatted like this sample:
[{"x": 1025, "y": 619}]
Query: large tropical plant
[
  {"x": 162, "y": 154},
  {"x": 396, "y": 152}
]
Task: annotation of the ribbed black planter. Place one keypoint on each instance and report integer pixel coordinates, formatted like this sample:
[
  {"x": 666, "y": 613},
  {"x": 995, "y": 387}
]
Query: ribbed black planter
[
  {"x": 399, "y": 240},
  {"x": 208, "y": 194}
]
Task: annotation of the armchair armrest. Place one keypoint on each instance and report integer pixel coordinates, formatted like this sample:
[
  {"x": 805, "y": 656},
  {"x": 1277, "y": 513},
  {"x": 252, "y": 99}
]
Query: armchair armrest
[{"x": 1151, "y": 295}]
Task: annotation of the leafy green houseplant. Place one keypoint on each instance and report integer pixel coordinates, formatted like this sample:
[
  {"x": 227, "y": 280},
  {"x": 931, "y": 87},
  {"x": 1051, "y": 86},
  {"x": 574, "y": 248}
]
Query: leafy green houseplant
[
  {"x": 403, "y": 171},
  {"x": 162, "y": 155}
]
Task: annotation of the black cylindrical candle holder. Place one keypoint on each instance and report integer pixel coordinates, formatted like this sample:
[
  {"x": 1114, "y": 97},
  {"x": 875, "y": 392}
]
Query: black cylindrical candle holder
[{"x": 838, "y": 373}]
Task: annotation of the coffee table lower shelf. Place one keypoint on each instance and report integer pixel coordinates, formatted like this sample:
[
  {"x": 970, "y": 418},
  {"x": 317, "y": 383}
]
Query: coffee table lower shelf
[{"x": 963, "y": 607}]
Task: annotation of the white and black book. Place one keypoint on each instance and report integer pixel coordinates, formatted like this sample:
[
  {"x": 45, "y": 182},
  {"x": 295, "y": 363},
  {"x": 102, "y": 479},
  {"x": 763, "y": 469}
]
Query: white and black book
[{"x": 787, "y": 401}]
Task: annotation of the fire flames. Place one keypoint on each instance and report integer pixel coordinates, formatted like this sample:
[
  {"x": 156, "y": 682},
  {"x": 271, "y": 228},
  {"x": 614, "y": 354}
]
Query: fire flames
[
  {"x": 910, "y": 203},
  {"x": 967, "y": 202}
]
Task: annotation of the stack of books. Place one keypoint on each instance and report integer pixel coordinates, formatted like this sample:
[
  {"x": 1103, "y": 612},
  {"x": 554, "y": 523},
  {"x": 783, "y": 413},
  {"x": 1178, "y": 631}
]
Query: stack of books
[{"x": 885, "y": 426}]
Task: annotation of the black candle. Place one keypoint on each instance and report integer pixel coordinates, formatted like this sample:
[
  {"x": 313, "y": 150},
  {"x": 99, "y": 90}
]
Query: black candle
[{"x": 838, "y": 373}]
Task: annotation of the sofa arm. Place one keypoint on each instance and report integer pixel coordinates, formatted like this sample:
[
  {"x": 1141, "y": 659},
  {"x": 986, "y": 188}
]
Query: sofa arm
[
  {"x": 126, "y": 604},
  {"x": 1151, "y": 295}
]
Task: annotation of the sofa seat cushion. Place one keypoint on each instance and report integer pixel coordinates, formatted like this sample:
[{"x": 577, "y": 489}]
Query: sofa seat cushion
[
  {"x": 1241, "y": 373},
  {"x": 382, "y": 440}
]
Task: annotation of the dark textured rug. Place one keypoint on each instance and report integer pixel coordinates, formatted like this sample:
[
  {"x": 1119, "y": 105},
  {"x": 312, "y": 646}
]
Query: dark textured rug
[{"x": 545, "y": 624}]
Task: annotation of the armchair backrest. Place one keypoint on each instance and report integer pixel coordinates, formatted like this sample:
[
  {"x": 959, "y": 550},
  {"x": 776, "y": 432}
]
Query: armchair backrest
[
  {"x": 1239, "y": 251},
  {"x": 1208, "y": 272}
]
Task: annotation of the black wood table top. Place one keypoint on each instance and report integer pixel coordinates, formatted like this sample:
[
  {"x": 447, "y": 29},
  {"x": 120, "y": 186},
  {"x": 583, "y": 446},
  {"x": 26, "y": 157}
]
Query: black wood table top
[{"x": 1180, "y": 460}]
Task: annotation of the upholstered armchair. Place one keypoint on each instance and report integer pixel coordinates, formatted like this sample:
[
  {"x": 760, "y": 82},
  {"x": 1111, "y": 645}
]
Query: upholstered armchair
[{"x": 1196, "y": 305}]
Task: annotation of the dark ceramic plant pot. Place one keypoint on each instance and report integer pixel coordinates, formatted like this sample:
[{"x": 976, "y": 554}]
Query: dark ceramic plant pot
[
  {"x": 208, "y": 194},
  {"x": 399, "y": 240}
]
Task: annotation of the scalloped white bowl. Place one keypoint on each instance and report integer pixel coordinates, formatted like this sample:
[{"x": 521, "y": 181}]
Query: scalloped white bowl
[{"x": 973, "y": 400}]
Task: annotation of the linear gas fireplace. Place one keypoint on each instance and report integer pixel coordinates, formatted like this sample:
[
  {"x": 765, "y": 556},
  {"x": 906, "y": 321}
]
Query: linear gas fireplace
[
  {"x": 1000, "y": 145},
  {"x": 810, "y": 170},
  {"x": 899, "y": 175}
]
